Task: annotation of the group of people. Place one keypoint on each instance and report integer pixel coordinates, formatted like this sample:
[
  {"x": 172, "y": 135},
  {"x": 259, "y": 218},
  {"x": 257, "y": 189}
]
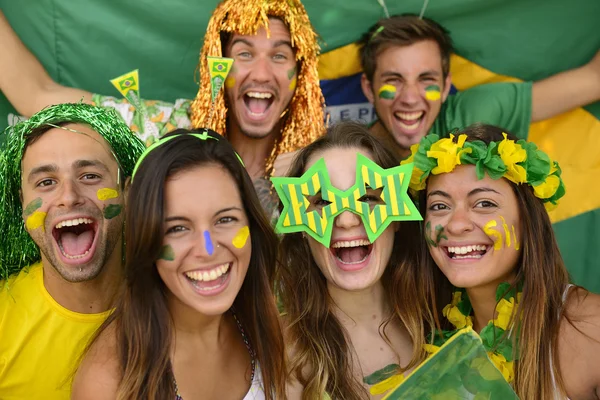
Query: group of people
[{"x": 156, "y": 272}]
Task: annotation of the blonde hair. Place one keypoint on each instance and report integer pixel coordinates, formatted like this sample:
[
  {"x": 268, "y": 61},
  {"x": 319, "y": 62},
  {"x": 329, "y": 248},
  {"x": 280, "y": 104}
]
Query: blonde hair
[{"x": 304, "y": 116}]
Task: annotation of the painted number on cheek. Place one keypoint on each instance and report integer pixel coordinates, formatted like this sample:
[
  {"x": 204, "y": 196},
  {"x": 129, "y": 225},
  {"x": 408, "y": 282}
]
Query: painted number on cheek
[
  {"x": 167, "y": 253},
  {"x": 387, "y": 92},
  {"x": 497, "y": 236},
  {"x": 241, "y": 237}
]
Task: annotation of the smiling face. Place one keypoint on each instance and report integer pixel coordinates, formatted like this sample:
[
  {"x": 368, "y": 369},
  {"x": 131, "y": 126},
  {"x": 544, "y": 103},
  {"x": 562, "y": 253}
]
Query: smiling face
[
  {"x": 472, "y": 228},
  {"x": 206, "y": 246},
  {"x": 72, "y": 201},
  {"x": 407, "y": 90},
  {"x": 263, "y": 79},
  {"x": 351, "y": 262}
]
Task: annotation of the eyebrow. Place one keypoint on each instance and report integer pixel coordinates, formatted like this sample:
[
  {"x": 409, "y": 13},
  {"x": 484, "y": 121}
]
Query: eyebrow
[
  {"x": 180, "y": 218},
  {"x": 471, "y": 193},
  {"x": 393, "y": 74},
  {"x": 248, "y": 43},
  {"x": 89, "y": 163},
  {"x": 47, "y": 168}
]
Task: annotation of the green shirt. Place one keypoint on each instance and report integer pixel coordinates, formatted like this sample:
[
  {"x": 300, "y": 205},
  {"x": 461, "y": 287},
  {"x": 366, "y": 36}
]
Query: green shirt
[{"x": 506, "y": 105}]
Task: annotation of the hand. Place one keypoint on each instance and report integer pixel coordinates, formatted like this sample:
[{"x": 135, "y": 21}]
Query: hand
[{"x": 283, "y": 162}]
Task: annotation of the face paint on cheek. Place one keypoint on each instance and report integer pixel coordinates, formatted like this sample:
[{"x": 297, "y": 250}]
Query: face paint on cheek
[
  {"x": 36, "y": 220},
  {"x": 387, "y": 92},
  {"x": 208, "y": 243},
  {"x": 241, "y": 237},
  {"x": 439, "y": 234},
  {"x": 167, "y": 253},
  {"x": 495, "y": 235},
  {"x": 432, "y": 93},
  {"x": 230, "y": 80},
  {"x": 106, "y": 194},
  {"x": 291, "y": 74},
  {"x": 32, "y": 206},
  {"x": 506, "y": 231},
  {"x": 112, "y": 210},
  {"x": 428, "y": 235}
]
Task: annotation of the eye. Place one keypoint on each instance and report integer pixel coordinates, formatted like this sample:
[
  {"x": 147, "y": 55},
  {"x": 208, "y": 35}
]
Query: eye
[
  {"x": 370, "y": 198},
  {"x": 280, "y": 56},
  {"x": 91, "y": 176},
  {"x": 244, "y": 54},
  {"x": 176, "y": 229},
  {"x": 45, "y": 182},
  {"x": 226, "y": 220},
  {"x": 485, "y": 204},
  {"x": 320, "y": 202},
  {"x": 438, "y": 207}
]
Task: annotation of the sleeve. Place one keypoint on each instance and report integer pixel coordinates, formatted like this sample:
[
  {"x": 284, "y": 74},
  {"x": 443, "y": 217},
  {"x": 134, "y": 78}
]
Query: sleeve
[
  {"x": 163, "y": 116},
  {"x": 506, "y": 105}
]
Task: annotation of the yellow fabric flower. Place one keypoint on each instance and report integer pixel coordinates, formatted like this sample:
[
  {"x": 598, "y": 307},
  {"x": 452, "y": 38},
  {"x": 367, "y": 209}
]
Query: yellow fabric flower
[
  {"x": 458, "y": 319},
  {"x": 447, "y": 153},
  {"x": 512, "y": 153},
  {"x": 505, "y": 367},
  {"x": 547, "y": 188},
  {"x": 505, "y": 310}
]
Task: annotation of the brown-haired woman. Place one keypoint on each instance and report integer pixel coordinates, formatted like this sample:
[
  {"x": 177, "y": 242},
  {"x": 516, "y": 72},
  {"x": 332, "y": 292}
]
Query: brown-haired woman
[
  {"x": 492, "y": 240},
  {"x": 196, "y": 317},
  {"x": 353, "y": 309}
]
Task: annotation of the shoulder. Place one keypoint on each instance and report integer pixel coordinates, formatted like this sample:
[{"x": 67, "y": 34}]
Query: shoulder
[
  {"x": 97, "y": 377},
  {"x": 579, "y": 341}
]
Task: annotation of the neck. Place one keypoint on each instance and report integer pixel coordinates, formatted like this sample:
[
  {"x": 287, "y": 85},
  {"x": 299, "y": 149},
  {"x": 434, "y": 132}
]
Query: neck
[
  {"x": 380, "y": 132},
  {"x": 360, "y": 307},
  {"x": 190, "y": 324},
  {"x": 253, "y": 151},
  {"x": 483, "y": 301},
  {"x": 89, "y": 297}
]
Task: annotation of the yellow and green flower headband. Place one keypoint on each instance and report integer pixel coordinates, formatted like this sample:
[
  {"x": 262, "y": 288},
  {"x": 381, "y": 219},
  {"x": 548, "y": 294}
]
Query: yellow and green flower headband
[
  {"x": 296, "y": 216},
  {"x": 519, "y": 162}
]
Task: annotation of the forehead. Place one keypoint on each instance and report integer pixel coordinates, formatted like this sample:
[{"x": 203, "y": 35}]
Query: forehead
[
  {"x": 277, "y": 29},
  {"x": 414, "y": 58},
  {"x": 463, "y": 179},
  {"x": 341, "y": 164},
  {"x": 61, "y": 146},
  {"x": 201, "y": 189}
]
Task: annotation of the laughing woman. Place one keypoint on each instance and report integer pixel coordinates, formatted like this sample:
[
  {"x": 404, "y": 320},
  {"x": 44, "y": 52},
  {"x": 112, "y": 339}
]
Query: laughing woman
[
  {"x": 196, "y": 318},
  {"x": 488, "y": 234},
  {"x": 353, "y": 308}
]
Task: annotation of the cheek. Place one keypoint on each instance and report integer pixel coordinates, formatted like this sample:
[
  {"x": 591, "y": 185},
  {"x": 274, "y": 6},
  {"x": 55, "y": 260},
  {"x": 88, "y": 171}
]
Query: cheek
[
  {"x": 319, "y": 254},
  {"x": 111, "y": 202},
  {"x": 386, "y": 93}
]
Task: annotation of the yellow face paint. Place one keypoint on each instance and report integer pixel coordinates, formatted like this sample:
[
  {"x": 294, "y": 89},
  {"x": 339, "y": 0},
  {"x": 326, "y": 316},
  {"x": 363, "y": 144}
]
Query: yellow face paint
[
  {"x": 506, "y": 231},
  {"x": 106, "y": 194},
  {"x": 292, "y": 85},
  {"x": 387, "y": 92},
  {"x": 515, "y": 238},
  {"x": 432, "y": 93},
  {"x": 36, "y": 220},
  {"x": 229, "y": 82},
  {"x": 495, "y": 235},
  {"x": 241, "y": 237}
]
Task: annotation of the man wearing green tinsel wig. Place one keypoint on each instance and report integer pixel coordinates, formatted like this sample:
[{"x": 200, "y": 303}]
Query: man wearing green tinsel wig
[{"x": 62, "y": 175}]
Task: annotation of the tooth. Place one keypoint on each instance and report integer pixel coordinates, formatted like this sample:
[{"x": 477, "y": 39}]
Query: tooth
[
  {"x": 213, "y": 275},
  {"x": 206, "y": 276},
  {"x": 469, "y": 249}
]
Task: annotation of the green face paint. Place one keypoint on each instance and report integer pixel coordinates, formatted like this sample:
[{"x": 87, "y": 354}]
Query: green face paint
[
  {"x": 112, "y": 210},
  {"x": 439, "y": 234},
  {"x": 167, "y": 253},
  {"x": 387, "y": 92},
  {"x": 432, "y": 93},
  {"x": 292, "y": 72},
  {"x": 297, "y": 216},
  {"x": 292, "y": 76},
  {"x": 32, "y": 206}
]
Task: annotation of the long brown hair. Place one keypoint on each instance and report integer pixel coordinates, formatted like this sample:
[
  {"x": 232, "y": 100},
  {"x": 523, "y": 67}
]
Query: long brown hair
[
  {"x": 541, "y": 271},
  {"x": 141, "y": 320},
  {"x": 319, "y": 341}
]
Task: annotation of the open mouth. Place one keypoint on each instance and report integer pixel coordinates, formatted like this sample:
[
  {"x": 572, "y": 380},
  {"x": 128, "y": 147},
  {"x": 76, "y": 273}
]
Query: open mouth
[
  {"x": 75, "y": 237},
  {"x": 258, "y": 103},
  {"x": 351, "y": 252},
  {"x": 467, "y": 252},
  {"x": 409, "y": 121},
  {"x": 207, "y": 280}
]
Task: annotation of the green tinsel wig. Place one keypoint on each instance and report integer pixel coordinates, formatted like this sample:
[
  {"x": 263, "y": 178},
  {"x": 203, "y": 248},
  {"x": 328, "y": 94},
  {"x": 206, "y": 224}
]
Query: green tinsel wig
[{"x": 17, "y": 249}]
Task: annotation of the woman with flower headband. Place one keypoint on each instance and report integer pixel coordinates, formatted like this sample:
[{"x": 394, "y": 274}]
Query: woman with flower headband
[
  {"x": 353, "y": 309},
  {"x": 486, "y": 226},
  {"x": 196, "y": 316}
]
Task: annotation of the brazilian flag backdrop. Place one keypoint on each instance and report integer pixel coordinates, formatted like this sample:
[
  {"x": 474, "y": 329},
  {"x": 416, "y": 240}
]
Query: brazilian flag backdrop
[{"x": 85, "y": 43}]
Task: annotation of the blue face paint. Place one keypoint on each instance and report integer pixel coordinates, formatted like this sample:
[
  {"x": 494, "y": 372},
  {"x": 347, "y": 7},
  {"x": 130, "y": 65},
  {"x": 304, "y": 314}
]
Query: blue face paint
[{"x": 208, "y": 243}]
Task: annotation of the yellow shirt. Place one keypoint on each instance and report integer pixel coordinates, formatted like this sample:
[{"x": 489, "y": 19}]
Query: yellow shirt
[{"x": 40, "y": 341}]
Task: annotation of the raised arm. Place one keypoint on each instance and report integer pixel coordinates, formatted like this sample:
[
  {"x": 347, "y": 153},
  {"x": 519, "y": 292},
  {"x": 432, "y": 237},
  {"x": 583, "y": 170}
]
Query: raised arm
[
  {"x": 566, "y": 90},
  {"x": 24, "y": 81}
]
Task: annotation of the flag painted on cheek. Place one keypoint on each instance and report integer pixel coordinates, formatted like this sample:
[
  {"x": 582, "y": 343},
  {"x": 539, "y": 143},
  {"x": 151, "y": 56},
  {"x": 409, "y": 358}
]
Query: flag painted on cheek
[{"x": 387, "y": 92}]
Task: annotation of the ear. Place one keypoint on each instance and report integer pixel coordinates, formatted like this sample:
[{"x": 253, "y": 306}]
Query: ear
[
  {"x": 367, "y": 88},
  {"x": 447, "y": 86}
]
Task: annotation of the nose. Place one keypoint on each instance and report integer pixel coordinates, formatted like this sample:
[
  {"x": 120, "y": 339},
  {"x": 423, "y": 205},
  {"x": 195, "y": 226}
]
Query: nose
[
  {"x": 409, "y": 93},
  {"x": 347, "y": 220},
  {"x": 70, "y": 194},
  {"x": 459, "y": 222},
  {"x": 205, "y": 246},
  {"x": 262, "y": 70}
]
